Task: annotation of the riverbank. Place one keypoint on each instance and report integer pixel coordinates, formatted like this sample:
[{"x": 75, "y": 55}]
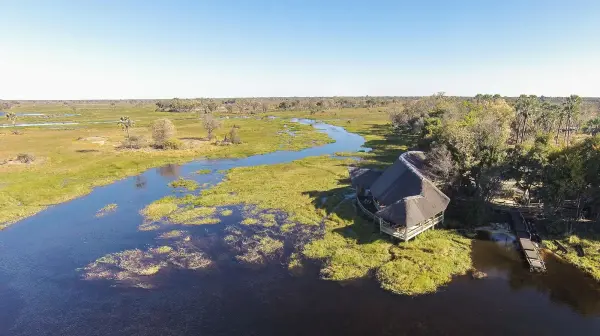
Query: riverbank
[
  {"x": 73, "y": 161},
  {"x": 588, "y": 263}
]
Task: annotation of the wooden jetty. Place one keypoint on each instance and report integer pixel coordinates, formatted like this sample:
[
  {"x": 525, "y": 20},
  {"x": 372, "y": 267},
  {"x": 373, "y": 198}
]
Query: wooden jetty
[{"x": 530, "y": 250}]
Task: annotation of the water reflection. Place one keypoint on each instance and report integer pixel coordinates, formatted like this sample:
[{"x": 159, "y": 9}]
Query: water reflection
[
  {"x": 140, "y": 182},
  {"x": 562, "y": 283},
  {"x": 170, "y": 170}
]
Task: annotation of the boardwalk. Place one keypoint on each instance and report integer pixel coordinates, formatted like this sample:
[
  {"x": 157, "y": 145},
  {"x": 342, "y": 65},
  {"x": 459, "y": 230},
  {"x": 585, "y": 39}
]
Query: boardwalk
[{"x": 530, "y": 251}]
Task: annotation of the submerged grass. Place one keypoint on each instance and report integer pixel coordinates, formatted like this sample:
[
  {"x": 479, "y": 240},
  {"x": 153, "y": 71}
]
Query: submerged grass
[
  {"x": 311, "y": 191},
  {"x": 109, "y": 208}
]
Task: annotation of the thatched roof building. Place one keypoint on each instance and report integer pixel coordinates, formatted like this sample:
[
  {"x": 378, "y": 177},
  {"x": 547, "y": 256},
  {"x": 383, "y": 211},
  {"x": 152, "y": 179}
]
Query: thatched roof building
[{"x": 405, "y": 199}]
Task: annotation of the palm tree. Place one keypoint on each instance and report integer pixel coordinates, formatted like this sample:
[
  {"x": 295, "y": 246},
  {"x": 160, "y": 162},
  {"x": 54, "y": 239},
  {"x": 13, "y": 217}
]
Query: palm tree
[
  {"x": 527, "y": 109},
  {"x": 593, "y": 126},
  {"x": 126, "y": 124},
  {"x": 12, "y": 117},
  {"x": 571, "y": 109}
]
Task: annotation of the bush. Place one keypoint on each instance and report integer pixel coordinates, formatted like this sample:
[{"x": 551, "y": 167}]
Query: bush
[
  {"x": 135, "y": 141},
  {"x": 162, "y": 130},
  {"x": 25, "y": 158},
  {"x": 233, "y": 136},
  {"x": 172, "y": 144}
]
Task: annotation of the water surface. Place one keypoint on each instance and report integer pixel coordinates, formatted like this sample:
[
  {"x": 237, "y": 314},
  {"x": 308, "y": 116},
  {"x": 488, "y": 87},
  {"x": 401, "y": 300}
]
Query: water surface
[{"x": 43, "y": 292}]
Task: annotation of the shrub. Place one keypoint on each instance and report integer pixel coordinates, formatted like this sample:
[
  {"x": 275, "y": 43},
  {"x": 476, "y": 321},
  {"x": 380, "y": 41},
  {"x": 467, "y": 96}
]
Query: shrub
[
  {"x": 25, "y": 158},
  {"x": 162, "y": 130},
  {"x": 135, "y": 141},
  {"x": 172, "y": 144},
  {"x": 233, "y": 136}
]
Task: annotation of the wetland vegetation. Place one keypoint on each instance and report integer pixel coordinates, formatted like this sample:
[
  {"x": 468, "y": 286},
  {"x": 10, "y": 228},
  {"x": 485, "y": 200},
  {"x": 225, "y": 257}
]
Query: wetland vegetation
[{"x": 467, "y": 140}]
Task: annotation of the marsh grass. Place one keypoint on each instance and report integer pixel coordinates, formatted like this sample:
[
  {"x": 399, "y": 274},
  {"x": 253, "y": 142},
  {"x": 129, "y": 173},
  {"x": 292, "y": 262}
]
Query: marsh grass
[
  {"x": 158, "y": 210},
  {"x": 135, "y": 267},
  {"x": 203, "y": 171},
  {"x": 72, "y": 167},
  {"x": 182, "y": 183},
  {"x": 107, "y": 209},
  {"x": 226, "y": 212},
  {"x": 311, "y": 192},
  {"x": 190, "y": 214},
  {"x": 172, "y": 234},
  {"x": 426, "y": 263}
]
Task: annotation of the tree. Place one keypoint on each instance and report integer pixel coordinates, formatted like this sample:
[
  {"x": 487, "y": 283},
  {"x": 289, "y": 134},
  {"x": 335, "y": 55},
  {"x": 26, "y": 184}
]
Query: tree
[
  {"x": 162, "y": 130},
  {"x": 255, "y": 105},
  {"x": 572, "y": 108},
  {"x": 593, "y": 126},
  {"x": 241, "y": 106},
  {"x": 229, "y": 108},
  {"x": 477, "y": 139},
  {"x": 113, "y": 106},
  {"x": 439, "y": 163},
  {"x": 210, "y": 124},
  {"x": 126, "y": 124},
  {"x": 527, "y": 109},
  {"x": 232, "y": 136},
  {"x": 211, "y": 106},
  {"x": 527, "y": 166},
  {"x": 12, "y": 117}
]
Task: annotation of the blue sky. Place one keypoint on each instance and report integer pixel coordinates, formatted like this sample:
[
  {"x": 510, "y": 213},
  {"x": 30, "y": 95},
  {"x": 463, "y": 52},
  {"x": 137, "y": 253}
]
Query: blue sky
[{"x": 162, "y": 49}]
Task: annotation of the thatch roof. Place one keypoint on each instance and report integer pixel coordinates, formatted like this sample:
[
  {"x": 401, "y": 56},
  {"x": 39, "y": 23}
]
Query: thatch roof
[
  {"x": 409, "y": 198},
  {"x": 363, "y": 177}
]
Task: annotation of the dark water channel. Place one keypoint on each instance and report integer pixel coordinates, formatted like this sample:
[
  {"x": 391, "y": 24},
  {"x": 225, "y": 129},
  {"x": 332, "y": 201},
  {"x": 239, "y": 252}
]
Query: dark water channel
[{"x": 43, "y": 292}]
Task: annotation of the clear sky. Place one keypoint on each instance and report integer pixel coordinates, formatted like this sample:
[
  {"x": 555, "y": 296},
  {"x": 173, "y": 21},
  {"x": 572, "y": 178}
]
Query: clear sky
[{"x": 161, "y": 49}]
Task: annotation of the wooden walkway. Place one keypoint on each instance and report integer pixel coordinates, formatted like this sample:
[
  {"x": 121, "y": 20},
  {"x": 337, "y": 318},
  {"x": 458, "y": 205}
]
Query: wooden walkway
[{"x": 530, "y": 251}]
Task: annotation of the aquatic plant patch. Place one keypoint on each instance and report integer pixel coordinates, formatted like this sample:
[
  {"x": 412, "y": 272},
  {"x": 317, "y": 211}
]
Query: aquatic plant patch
[{"x": 108, "y": 209}]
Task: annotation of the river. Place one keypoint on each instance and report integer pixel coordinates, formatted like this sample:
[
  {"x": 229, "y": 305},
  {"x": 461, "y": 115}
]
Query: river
[{"x": 42, "y": 291}]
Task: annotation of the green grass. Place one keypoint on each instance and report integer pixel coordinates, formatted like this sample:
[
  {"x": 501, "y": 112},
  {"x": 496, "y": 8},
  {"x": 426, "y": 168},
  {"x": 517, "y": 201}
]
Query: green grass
[
  {"x": 351, "y": 247},
  {"x": 157, "y": 211},
  {"x": 426, "y": 263},
  {"x": 190, "y": 185},
  {"x": 70, "y": 166},
  {"x": 191, "y": 216},
  {"x": 590, "y": 262},
  {"x": 226, "y": 212},
  {"x": 203, "y": 171}
]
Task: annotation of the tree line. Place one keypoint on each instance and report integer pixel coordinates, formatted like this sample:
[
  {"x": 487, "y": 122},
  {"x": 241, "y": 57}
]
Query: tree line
[{"x": 549, "y": 149}]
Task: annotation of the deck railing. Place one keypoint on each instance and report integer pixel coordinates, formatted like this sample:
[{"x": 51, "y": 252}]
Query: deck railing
[{"x": 402, "y": 232}]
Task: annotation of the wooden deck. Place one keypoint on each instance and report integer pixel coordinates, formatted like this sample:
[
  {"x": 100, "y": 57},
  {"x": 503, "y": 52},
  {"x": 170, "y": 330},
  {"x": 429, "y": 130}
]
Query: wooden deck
[
  {"x": 402, "y": 233},
  {"x": 530, "y": 251}
]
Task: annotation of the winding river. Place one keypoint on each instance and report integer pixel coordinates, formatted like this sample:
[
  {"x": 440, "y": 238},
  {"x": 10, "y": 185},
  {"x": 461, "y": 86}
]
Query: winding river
[{"x": 42, "y": 291}]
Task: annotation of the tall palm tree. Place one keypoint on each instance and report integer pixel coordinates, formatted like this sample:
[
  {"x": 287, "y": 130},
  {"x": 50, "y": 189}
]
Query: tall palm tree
[
  {"x": 126, "y": 124},
  {"x": 12, "y": 117},
  {"x": 571, "y": 107},
  {"x": 527, "y": 108}
]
